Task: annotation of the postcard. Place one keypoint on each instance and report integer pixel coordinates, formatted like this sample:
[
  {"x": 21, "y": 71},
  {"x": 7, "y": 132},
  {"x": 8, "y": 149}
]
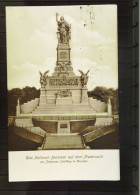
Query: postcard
[{"x": 63, "y": 117}]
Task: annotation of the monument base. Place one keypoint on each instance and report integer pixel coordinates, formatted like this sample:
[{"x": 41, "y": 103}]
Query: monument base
[
  {"x": 63, "y": 101},
  {"x": 64, "y": 124}
]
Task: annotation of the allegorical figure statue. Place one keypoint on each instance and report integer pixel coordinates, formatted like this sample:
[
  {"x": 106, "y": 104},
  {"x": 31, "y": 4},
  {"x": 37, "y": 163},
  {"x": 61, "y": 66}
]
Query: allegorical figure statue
[
  {"x": 43, "y": 79},
  {"x": 64, "y": 34},
  {"x": 84, "y": 78}
]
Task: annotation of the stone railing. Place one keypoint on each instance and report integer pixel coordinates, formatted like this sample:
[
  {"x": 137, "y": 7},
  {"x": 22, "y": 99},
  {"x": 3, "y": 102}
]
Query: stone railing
[
  {"x": 45, "y": 118},
  {"x": 98, "y": 131},
  {"x": 32, "y": 129}
]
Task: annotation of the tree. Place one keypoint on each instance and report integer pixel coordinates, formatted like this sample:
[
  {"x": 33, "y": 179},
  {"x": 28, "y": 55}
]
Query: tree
[
  {"x": 25, "y": 94},
  {"x": 103, "y": 94}
]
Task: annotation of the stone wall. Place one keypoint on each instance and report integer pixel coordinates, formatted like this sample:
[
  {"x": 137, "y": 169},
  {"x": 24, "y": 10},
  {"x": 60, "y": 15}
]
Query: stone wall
[
  {"x": 23, "y": 122},
  {"x": 48, "y": 126},
  {"x": 97, "y": 105},
  {"x": 29, "y": 106},
  {"x": 103, "y": 120},
  {"x": 79, "y": 126}
]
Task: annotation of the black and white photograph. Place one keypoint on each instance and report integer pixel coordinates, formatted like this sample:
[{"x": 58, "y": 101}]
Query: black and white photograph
[{"x": 62, "y": 66}]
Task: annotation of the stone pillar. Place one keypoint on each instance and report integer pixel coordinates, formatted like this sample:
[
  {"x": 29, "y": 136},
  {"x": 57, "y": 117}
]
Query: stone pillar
[
  {"x": 18, "y": 108},
  {"x": 42, "y": 97},
  {"x": 84, "y": 96},
  {"x": 109, "y": 107}
]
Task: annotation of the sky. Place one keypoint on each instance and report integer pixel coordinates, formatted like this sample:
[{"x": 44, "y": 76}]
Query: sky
[{"x": 32, "y": 41}]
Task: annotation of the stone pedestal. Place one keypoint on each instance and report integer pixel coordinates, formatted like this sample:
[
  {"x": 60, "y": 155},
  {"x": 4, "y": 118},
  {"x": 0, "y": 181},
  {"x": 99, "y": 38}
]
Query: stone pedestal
[
  {"x": 42, "y": 97},
  {"x": 63, "y": 54},
  {"x": 64, "y": 101},
  {"x": 84, "y": 96}
]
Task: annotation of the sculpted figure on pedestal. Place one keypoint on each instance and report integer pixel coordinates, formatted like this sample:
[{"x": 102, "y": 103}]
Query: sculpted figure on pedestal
[
  {"x": 84, "y": 78},
  {"x": 43, "y": 79},
  {"x": 63, "y": 30}
]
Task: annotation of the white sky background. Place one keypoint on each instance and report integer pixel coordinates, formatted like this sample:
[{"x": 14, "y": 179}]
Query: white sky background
[{"x": 32, "y": 42}]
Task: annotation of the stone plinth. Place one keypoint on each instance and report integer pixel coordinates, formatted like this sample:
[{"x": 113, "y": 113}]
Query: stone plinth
[{"x": 63, "y": 101}]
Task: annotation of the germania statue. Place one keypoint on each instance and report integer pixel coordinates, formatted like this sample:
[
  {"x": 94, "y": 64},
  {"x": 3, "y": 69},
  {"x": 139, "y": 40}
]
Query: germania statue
[{"x": 63, "y": 34}]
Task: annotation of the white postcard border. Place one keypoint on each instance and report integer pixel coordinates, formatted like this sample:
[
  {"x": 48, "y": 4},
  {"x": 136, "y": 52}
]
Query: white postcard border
[{"x": 65, "y": 165}]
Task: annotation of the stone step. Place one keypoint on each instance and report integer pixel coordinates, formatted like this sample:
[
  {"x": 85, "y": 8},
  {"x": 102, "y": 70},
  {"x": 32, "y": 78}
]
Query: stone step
[
  {"x": 47, "y": 106},
  {"x": 66, "y": 109},
  {"x": 63, "y": 112},
  {"x": 63, "y": 109},
  {"x": 63, "y": 142}
]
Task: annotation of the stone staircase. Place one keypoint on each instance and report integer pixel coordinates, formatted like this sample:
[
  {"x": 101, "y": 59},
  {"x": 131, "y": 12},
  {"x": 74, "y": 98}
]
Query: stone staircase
[
  {"x": 29, "y": 106},
  {"x": 62, "y": 109},
  {"x": 63, "y": 141},
  {"x": 34, "y": 107}
]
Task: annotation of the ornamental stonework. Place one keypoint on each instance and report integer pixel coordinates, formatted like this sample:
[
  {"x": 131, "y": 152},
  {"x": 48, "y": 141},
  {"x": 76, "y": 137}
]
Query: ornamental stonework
[
  {"x": 63, "y": 68},
  {"x": 63, "y": 82},
  {"x": 64, "y": 93}
]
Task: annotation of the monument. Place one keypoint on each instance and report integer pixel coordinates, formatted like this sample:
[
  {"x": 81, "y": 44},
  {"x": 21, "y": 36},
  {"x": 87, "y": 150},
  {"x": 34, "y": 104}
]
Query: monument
[
  {"x": 63, "y": 92},
  {"x": 63, "y": 111}
]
